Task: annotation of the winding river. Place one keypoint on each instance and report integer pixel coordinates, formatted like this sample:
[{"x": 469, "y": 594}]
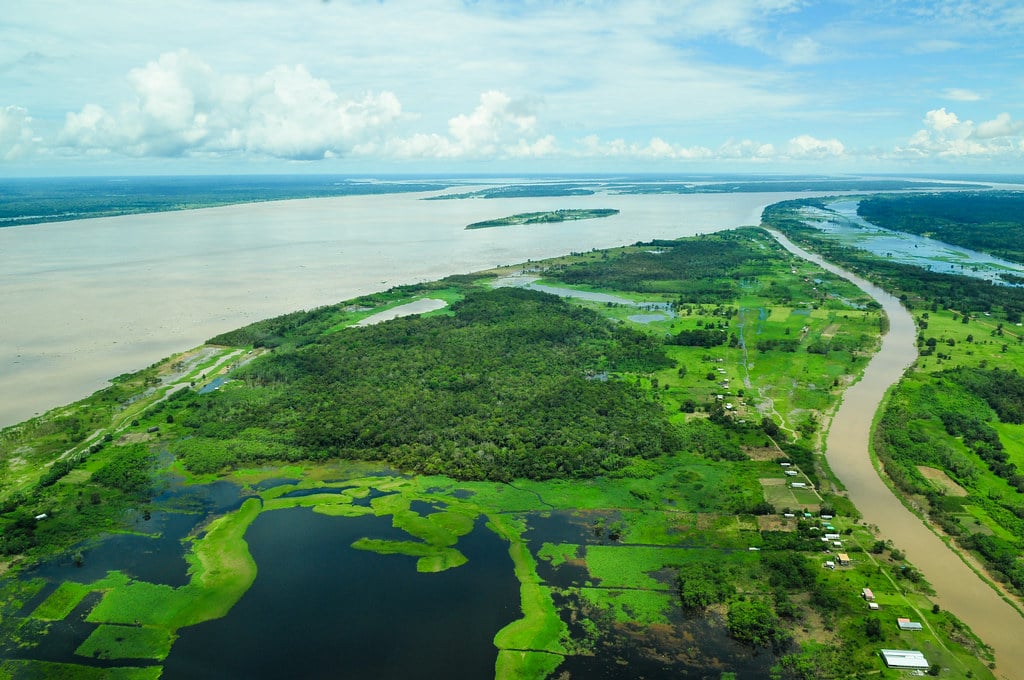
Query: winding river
[{"x": 958, "y": 589}]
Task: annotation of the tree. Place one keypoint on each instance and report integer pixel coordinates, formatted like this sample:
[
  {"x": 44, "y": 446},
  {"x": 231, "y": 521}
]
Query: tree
[
  {"x": 873, "y": 628},
  {"x": 755, "y": 622}
]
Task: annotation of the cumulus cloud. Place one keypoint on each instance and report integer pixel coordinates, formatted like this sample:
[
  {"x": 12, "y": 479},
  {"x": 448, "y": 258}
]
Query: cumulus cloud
[
  {"x": 499, "y": 127},
  {"x": 15, "y": 132},
  {"x": 656, "y": 149},
  {"x": 806, "y": 146},
  {"x": 945, "y": 135},
  {"x": 183, "y": 106}
]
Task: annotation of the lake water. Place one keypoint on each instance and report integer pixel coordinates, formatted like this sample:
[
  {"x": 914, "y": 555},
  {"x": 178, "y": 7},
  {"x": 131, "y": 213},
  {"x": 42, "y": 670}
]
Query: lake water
[
  {"x": 86, "y": 300},
  {"x": 320, "y": 609}
]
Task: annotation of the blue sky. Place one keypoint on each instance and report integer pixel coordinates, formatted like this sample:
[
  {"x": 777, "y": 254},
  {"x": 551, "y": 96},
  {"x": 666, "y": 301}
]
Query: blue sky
[{"x": 782, "y": 86}]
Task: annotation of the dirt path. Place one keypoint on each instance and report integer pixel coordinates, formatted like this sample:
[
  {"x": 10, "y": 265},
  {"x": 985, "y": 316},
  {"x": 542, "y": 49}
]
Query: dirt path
[{"x": 958, "y": 589}]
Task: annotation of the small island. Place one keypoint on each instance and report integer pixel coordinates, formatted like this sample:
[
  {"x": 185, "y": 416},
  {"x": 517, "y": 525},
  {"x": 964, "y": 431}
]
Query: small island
[{"x": 545, "y": 217}]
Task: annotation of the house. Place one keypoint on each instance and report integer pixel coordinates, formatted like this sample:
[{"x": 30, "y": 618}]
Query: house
[
  {"x": 837, "y": 544},
  {"x": 785, "y": 464},
  {"x": 907, "y": 624},
  {"x": 905, "y": 658},
  {"x": 798, "y": 485},
  {"x": 832, "y": 537},
  {"x": 830, "y": 564},
  {"x": 791, "y": 473},
  {"x": 867, "y": 594},
  {"x": 788, "y": 514},
  {"x": 826, "y": 516},
  {"x": 873, "y": 606},
  {"x": 41, "y": 517},
  {"x": 842, "y": 559}
]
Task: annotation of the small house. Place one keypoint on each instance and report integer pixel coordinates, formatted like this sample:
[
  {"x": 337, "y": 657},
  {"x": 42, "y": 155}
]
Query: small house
[
  {"x": 791, "y": 473},
  {"x": 837, "y": 544},
  {"x": 867, "y": 595},
  {"x": 826, "y": 516},
  {"x": 907, "y": 624},
  {"x": 829, "y": 564},
  {"x": 843, "y": 559},
  {"x": 41, "y": 517},
  {"x": 905, "y": 658},
  {"x": 785, "y": 464},
  {"x": 873, "y": 606},
  {"x": 788, "y": 515},
  {"x": 798, "y": 485},
  {"x": 832, "y": 537}
]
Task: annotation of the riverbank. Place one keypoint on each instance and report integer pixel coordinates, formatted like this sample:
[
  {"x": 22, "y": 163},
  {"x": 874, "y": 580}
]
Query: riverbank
[{"x": 958, "y": 588}]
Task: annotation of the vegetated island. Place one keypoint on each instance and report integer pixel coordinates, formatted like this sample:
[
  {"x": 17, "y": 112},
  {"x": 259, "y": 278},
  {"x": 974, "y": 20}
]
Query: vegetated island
[
  {"x": 545, "y": 217},
  {"x": 648, "y": 461}
]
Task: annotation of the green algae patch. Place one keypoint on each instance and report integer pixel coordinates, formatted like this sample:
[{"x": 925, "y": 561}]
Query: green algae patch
[
  {"x": 559, "y": 553},
  {"x": 127, "y": 642},
  {"x": 518, "y": 664},
  {"x": 62, "y": 601},
  {"x": 432, "y": 558},
  {"x": 644, "y": 607},
  {"x": 625, "y": 566},
  {"x": 342, "y": 510},
  {"x": 28, "y": 669},
  {"x": 307, "y": 501},
  {"x": 454, "y": 522},
  {"x": 540, "y": 629},
  {"x": 139, "y": 603},
  {"x": 221, "y": 569}
]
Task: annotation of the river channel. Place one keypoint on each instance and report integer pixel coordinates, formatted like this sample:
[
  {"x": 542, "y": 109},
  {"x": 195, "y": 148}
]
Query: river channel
[{"x": 958, "y": 589}]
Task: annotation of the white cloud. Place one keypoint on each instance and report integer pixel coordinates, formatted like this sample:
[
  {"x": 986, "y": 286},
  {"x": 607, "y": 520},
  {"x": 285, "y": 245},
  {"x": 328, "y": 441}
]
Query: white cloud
[
  {"x": 961, "y": 95},
  {"x": 806, "y": 146},
  {"x": 15, "y": 132},
  {"x": 499, "y": 127},
  {"x": 182, "y": 106},
  {"x": 1001, "y": 126},
  {"x": 946, "y": 136}
]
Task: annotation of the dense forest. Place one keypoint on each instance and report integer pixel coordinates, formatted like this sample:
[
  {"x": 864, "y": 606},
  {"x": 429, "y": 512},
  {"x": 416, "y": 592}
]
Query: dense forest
[
  {"x": 991, "y": 222},
  {"x": 505, "y": 388},
  {"x": 714, "y": 268}
]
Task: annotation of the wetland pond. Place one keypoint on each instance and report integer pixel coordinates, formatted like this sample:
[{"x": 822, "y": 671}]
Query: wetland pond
[
  {"x": 319, "y": 609},
  {"x": 840, "y": 220}
]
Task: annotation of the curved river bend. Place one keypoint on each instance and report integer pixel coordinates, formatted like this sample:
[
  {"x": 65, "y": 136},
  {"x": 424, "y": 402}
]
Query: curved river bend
[{"x": 957, "y": 588}]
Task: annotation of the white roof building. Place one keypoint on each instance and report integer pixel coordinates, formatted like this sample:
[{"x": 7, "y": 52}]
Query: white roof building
[{"x": 904, "y": 658}]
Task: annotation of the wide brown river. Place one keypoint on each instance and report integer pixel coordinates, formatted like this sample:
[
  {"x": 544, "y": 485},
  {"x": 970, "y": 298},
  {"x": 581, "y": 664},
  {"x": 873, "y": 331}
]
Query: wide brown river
[
  {"x": 83, "y": 301},
  {"x": 958, "y": 589}
]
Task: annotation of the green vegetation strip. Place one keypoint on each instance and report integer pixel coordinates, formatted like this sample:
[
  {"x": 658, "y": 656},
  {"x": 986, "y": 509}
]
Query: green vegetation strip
[
  {"x": 62, "y": 601},
  {"x": 547, "y": 217},
  {"x": 127, "y": 642}
]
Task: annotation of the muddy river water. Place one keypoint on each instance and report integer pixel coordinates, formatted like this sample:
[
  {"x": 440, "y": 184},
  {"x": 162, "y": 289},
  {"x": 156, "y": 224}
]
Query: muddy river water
[
  {"x": 86, "y": 300},
  {"x": 958, "y": 589}
]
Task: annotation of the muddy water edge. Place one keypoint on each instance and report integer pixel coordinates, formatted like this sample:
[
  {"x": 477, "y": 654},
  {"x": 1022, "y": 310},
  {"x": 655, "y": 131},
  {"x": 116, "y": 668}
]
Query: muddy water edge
[{"x": 958, "y": 589}]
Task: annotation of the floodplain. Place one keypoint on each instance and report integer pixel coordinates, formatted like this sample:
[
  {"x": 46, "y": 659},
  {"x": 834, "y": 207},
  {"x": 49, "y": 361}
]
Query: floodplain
[{"x": 682, "y": 559}]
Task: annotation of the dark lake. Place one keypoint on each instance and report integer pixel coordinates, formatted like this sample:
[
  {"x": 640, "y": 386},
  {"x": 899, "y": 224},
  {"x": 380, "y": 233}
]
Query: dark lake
[{"x": 319, "y": 609}]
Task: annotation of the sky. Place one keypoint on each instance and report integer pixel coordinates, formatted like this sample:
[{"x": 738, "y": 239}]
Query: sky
[{"x": 99, "y": 87}]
